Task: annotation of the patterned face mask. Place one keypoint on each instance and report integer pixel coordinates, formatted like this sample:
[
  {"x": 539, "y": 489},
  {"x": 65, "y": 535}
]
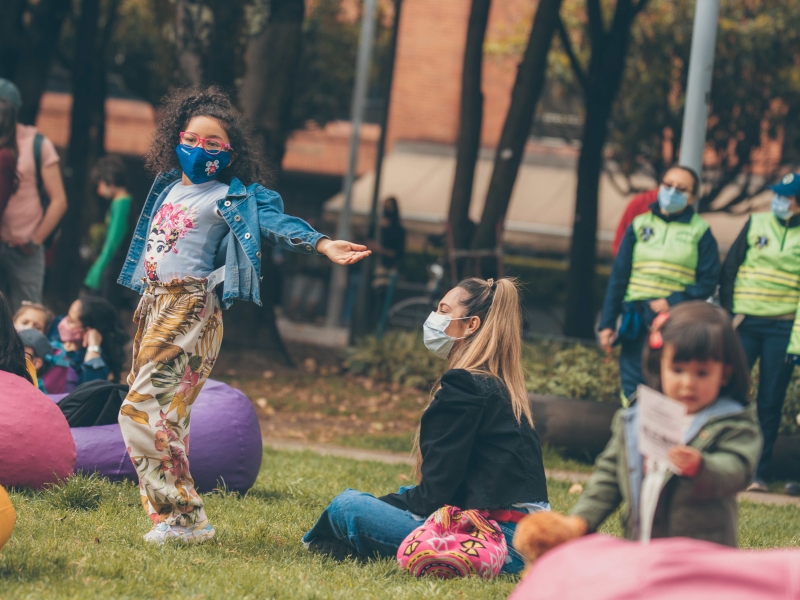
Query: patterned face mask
[{"x": 201, "y": 166}]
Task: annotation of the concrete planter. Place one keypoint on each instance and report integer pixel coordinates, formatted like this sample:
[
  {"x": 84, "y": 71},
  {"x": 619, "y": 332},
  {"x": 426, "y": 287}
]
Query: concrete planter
[{"x": 583, "y": 428}]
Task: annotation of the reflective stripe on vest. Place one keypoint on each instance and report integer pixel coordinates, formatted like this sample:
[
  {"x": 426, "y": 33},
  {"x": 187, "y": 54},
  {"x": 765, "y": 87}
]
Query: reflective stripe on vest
[
  {"x": 664, "y": 256},
  {"x": 768, "y": 281}
]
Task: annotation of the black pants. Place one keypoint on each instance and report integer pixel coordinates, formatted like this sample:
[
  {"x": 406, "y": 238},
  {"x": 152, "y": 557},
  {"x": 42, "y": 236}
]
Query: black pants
[
  {"x": 630, "y": 363},
  {"x": 768, "y": 339}
]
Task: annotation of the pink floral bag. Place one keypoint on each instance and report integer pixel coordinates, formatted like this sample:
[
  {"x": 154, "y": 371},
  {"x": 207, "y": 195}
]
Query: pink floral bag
[{"x": 454, "y": 543}]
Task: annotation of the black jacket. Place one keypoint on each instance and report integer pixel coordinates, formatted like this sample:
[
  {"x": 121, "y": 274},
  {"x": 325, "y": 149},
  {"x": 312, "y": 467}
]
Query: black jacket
[{"x": 474, "y": 453}]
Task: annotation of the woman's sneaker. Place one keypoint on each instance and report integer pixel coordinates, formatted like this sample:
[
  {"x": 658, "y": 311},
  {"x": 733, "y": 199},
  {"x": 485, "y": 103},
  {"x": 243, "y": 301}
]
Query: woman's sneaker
[
  {"x": 758, "y": 485},
  {"x": 190, "y": 535},
  {"x": 333, "y": 548}
]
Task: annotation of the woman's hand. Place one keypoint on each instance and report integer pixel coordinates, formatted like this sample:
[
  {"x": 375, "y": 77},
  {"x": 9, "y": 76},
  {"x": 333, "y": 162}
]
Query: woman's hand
[
  {"x": 659, "y": 306},
  {"x": 606, "y": 339},
  {"x": 686, "y": 459},
  {"x": 542, "y": 531},
  {"x": 342, "y": 252}
]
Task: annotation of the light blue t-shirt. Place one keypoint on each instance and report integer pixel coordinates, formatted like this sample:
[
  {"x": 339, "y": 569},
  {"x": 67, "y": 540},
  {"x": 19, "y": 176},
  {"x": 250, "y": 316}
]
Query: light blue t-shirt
[{"x": 185, "y": 233}]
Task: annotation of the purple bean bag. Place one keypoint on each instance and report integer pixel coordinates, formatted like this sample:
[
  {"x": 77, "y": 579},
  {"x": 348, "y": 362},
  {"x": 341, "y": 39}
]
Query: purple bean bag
[
  {"x": 226, "y": 443},
  {"x": 36, "y": 447}
]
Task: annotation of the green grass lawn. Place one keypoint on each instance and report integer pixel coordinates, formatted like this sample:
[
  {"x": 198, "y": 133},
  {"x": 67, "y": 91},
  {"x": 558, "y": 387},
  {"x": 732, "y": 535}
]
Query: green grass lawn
[{"x": 84, "y": 541}]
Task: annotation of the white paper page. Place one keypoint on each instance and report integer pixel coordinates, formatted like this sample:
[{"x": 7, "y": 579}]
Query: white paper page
[{"x": 661, "y": 421}]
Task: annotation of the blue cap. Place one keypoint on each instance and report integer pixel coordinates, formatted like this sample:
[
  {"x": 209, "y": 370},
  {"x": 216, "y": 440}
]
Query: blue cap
[
  {"x": 789, "y": 185},
  {"x": 10, "y": 92}
]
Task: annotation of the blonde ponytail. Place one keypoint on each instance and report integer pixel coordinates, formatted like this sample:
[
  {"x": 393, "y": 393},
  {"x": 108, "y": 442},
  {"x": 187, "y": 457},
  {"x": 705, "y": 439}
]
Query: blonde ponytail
[{"x": 496, "y": 348}]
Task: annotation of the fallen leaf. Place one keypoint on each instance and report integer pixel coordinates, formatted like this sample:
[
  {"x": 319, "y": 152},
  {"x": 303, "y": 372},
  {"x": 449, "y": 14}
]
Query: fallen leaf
[
  {"x": 198, "y": 561},
  {"x": 576, "y": 488},
  {"x": 96, "y": 540},
  {"x": 403, "y": 477},
  {"x": 262, "y": 402},
  {"x": 268, "y": 374}
]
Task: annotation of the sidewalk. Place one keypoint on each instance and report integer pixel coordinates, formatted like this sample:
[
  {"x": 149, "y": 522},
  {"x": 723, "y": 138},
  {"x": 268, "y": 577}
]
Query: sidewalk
[{"x": 396, "y": 458}]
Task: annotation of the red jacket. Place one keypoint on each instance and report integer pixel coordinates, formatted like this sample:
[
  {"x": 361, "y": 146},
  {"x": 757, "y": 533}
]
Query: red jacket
[{"x": 638, "y": 205}]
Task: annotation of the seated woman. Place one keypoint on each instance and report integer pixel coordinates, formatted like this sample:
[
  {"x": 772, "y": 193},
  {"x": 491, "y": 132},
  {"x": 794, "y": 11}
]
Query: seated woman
[
  {"x": 477, "y": 446},
  {"x": 92, "y": 340}
]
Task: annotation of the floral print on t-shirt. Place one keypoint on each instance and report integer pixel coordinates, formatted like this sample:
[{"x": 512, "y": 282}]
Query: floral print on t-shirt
[{"x": 170, "y": 224}]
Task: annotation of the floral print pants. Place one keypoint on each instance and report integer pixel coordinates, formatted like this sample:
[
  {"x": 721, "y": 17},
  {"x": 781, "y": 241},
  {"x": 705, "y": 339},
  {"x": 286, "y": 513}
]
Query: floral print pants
[{"x": 176, "y": 345}]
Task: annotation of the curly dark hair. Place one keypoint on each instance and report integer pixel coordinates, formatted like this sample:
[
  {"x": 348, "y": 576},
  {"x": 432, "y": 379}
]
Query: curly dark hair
[
  {"x": 101, "y": 315},
  {"x": 12, "y": 351},
  {"x": 180, "y": 106}
]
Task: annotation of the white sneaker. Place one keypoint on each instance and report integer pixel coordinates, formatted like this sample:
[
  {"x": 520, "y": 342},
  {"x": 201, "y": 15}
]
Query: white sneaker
[
  {"x": 190, "y": 535},
  {"x": 160, "y": 534}
]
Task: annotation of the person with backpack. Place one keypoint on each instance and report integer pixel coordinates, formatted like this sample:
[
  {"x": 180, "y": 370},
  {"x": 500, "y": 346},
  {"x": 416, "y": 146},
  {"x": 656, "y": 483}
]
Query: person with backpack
[{"x": 33, "y": 210}]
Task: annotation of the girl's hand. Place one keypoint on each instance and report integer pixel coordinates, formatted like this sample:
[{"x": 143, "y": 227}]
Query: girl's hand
[
  {"x": 686, "y": 459},
  {"x": 606, "y": 339},
  {"x": 342, "y": 252},
  {"x": 659, "y": 306}
]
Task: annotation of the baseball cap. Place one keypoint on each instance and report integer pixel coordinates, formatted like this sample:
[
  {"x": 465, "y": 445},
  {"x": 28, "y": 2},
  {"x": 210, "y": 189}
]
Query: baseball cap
[
  {"x": 10, "y": 92},
  {"x": 789, "y": 185},
  {"x": 33, "y": 338}
]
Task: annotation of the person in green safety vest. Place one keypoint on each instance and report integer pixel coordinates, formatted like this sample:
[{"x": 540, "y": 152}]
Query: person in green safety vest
[
  {"x": 110, "y": 176},
  {"x": 667, "y": 256},
  {"x": 760, "y": 286}
]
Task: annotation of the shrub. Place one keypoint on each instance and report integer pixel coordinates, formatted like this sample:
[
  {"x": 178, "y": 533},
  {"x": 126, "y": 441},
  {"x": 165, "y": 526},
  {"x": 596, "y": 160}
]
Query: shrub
[
  {"x": 572, "y": 371},
  {"x": 398, "y": 357}
]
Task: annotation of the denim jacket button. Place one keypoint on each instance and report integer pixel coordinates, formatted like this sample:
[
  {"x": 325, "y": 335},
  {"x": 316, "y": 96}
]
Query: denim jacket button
[
  {"x": 247, "y": 236},
  {"x": 227, "y": 202},
  {"x": 258, "y": 254},
  {"x": 237, "y": 218},
  {"x": 308, "y": 247}
]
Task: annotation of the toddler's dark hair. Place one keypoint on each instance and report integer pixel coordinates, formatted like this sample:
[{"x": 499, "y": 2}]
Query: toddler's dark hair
[
  {"x": 700, "y": 331},
  {"x": 110, "y": 170},
  {"x": 12, "y": 352},
  {"x": 179, "y": 107},
  {"x": 101, "y": 315}
]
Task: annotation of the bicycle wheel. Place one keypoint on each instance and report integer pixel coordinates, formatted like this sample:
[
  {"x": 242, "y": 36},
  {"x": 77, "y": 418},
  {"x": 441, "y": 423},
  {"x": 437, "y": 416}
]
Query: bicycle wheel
[{"x": 409, "y": 314}]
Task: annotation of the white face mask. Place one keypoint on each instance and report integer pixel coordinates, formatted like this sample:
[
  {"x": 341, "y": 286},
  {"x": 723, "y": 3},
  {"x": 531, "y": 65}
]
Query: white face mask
[{"x": 436, "y": 340}]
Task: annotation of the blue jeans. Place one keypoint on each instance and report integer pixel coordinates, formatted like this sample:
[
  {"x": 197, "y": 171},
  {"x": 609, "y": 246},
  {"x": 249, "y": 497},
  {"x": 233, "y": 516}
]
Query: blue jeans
[
  {"x": 630, "y": 363},
  {"x": 768, "y": 339},
  {"x": 373, "y": 527}
]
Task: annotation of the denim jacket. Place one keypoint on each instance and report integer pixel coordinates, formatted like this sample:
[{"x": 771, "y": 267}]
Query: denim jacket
[{"x": 251, "y": 212}]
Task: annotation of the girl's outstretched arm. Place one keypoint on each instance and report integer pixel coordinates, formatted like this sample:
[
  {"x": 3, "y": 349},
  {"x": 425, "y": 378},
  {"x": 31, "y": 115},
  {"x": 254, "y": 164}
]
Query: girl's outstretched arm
[{"x": 342, "y": 252}]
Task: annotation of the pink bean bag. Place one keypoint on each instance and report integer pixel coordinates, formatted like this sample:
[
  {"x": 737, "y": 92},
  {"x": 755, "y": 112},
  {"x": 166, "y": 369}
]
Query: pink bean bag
[
  {"x": 36, "y": 446},
  {"x": 600, "y": 567}
]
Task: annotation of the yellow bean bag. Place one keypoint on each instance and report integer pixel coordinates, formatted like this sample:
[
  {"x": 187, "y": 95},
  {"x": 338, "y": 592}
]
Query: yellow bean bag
[{"x": 7, "y": 517}]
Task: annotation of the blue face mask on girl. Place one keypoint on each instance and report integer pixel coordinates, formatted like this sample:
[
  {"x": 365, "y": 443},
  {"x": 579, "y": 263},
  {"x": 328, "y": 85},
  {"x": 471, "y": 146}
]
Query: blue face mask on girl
[
  {"x": 782, "y": 207},
  {"x": 672, "y": 200},
  {"x": 201, "y": 166}
]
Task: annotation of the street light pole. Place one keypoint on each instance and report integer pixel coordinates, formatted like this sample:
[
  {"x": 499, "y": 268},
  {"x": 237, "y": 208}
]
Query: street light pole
[
  {"x": 338, "y": 287},
  {"x": 698, "y": 90}
]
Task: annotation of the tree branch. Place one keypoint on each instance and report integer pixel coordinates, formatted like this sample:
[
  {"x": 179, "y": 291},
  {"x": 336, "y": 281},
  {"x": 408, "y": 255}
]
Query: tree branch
[{"x": 566, "y": 44}]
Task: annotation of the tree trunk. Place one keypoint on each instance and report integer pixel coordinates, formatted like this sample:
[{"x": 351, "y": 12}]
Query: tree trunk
[
  {"x": 26, "y": 52},
  {"x": 188, "y": 35},
  {"x": 271, "y": 58},
  {"x": 609, "y": 49},
  {"x": 69, "y": 273},
  {"x": 266, "y": 94},
  {"x": 528, "y": 88},
  {"x": 469, "y": 126},
  {"x": 222, "y": 58}
]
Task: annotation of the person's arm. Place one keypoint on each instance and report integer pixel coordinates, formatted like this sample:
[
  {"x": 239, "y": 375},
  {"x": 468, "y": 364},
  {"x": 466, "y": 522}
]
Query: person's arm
[
  {"x": 730, "y": 467},
  {"x": 117, "y": 228},
  {"x": 602, "y": 495},
  {"x": 54, "y": 186},
  {"x": 618, "y": 282},
  {"x": 730, "y": 268},
  {"x": 8, "y": 168},
  {"x": 447, "y": 434},
  {"x": 295, "y": 235},
  {"x": 706, "y": 273}
]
